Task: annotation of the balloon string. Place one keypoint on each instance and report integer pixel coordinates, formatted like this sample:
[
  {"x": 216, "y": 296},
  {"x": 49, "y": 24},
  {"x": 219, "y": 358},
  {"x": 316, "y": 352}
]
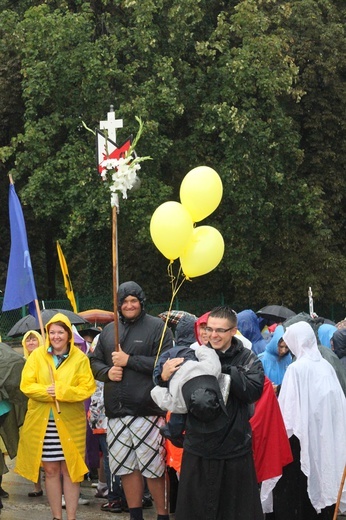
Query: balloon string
[
  {"x": 175, "y": 288},
  {"x": 171, "y": 274}
]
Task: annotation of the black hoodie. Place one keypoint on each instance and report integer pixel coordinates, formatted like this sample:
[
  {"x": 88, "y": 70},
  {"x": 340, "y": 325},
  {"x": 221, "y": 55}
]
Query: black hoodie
[{"x": 140, "y": 339}]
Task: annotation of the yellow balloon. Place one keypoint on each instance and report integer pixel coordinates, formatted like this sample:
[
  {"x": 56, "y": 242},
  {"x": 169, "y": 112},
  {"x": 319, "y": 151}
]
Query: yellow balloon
[
  {"x": 201, "y": 192},
  {"x": 203, "y": 252},
  {"x": 171, "y": 228}
]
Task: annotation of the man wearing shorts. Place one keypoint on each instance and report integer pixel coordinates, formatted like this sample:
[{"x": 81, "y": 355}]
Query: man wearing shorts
[{"x": 136, "y": 448}]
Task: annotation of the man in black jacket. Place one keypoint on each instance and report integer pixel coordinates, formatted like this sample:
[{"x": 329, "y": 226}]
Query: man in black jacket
[
  {"x": 135, "y": 445},
  {"x": 218, "y": 479}
]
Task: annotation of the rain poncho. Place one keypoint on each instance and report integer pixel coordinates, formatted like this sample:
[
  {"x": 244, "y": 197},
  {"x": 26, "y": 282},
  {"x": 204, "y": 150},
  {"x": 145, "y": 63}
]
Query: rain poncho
[
  {"x": 248, "y": 324},
  {"x": 325, "y": 333},
  {"x": 74, "y": 383},
  {"x": 270, "y": 443},
  {"x": 314, "y": 411},
  {"x": 274, "y": 365}
]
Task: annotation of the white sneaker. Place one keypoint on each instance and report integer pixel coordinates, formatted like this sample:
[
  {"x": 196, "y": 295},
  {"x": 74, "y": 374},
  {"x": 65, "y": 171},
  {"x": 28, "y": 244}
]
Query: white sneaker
[{"x": 82, "y": 501}]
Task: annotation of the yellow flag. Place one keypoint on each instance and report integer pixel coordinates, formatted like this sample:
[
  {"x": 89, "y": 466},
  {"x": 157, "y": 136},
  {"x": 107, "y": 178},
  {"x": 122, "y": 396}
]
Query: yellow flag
[{"x": 67, "y": 281}]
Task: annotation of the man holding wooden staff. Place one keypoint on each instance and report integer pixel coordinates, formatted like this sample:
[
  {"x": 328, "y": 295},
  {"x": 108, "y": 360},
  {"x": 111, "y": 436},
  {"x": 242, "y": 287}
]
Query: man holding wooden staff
[{"x": 136, "y": 448}]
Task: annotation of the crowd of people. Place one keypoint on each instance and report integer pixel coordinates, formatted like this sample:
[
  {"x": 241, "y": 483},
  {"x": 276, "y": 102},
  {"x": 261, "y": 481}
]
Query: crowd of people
[{"x": 218, "y": 417}]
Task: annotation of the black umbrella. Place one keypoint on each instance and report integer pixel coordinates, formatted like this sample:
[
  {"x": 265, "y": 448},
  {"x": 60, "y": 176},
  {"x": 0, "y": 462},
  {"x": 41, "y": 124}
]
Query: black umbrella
[
  {"x": 30, "y": 323},
  {"x": 276, "y": 313}
]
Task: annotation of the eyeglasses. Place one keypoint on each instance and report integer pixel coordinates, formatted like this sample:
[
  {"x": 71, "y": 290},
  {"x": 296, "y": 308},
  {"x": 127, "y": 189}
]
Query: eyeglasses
[{"x": 218, "y": 331}]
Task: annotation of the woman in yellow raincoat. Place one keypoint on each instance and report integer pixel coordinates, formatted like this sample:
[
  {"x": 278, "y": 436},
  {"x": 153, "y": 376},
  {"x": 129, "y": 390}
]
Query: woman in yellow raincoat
[{"x": 56, "y": 378}]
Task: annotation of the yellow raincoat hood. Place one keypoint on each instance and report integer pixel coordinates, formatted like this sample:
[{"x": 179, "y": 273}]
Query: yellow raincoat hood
[
  {"x": 64, "y": 319},
  {"x": 26, "y": 335}
]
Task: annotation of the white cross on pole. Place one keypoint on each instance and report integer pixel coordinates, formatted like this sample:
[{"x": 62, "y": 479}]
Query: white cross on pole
[{"x": 111, "y": 125}]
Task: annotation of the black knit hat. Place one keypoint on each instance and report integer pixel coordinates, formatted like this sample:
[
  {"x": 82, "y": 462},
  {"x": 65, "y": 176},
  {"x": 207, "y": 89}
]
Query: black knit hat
[{"x": 207, "y": 412}]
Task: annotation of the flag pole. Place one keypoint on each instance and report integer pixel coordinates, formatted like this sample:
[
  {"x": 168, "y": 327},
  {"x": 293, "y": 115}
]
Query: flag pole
[{"x": 39, "y": 317}]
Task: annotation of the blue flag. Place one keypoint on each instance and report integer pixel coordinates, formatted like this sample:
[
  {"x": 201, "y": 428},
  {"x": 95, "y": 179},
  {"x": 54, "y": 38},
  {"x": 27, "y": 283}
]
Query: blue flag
[{"x": 20, "y": 285}]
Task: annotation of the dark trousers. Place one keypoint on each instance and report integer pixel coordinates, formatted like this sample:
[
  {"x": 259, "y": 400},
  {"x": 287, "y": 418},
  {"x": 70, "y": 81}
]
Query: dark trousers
[{"x": 290, "y": 495}]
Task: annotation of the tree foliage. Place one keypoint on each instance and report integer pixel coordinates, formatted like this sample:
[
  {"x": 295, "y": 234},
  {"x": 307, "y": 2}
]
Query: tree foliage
[{"x": 253, "y": 88}]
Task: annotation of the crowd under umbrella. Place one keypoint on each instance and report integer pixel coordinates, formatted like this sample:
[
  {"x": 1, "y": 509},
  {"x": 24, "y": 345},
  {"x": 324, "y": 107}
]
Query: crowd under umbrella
[{"x": 29, "y": 322}]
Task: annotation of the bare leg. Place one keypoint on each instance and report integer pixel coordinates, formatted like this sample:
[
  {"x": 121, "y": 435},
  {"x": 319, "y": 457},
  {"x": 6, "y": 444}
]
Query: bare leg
[
  {"x": 133, "y": 486},
  {"x": 38, "y": 485},
  {"x": 158, "y": 488},
  {"x": 71, "y": 492},
  {"x": 101, "y": 471},
  {"x": 53, "y": 487}
]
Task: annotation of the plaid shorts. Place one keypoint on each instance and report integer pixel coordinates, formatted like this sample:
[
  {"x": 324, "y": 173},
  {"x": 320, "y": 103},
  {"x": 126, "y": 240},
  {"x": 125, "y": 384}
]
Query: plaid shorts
[{"x": 136, "y": 443}]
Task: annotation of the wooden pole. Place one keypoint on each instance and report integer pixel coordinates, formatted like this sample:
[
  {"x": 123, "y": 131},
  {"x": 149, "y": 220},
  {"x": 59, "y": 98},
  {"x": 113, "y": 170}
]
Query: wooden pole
[
  {"x": 53, "y": 381},
  {"x": 109, "y": 128},
  {"x": 339, "y": 494},
  {"x": 115, "y": 275},
  {"x": 39, "y": 317}
]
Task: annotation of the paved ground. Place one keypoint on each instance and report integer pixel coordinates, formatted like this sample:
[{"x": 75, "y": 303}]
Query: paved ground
[{"x": 20, "y": 507}]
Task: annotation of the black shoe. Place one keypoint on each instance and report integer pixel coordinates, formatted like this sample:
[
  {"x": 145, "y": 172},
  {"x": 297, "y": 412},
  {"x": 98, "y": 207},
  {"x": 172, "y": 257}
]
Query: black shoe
[
  {"x": 147, "y": 501},
  {"x": 35, "y": 494},
  {"x": 124, "y": 506},
  {"x": 113, "y": 507},
  {"x": 3, "y": 493}
]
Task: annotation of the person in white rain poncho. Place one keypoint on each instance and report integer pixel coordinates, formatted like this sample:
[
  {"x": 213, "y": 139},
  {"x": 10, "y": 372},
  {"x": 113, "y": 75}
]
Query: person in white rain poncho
[{"x": 313, "y": 406}]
